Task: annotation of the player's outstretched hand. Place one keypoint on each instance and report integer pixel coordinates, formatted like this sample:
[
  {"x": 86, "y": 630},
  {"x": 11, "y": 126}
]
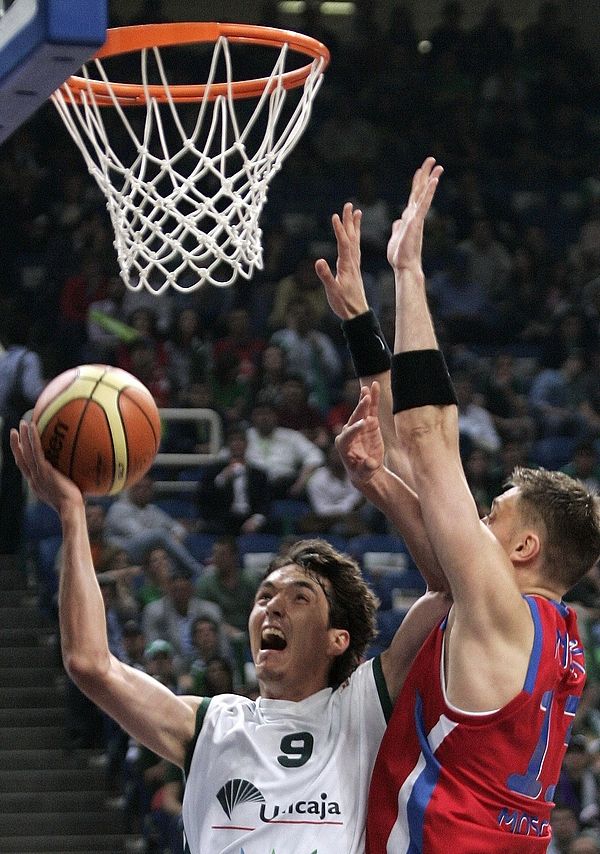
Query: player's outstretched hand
[
  {"x": 406, "y": 242},
  {"x": 48, "y": 484},
  {"x": 345, "y": 291},
  {"x": 360, "y": 444}
]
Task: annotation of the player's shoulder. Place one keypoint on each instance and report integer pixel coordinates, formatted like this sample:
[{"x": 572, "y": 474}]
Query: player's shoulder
[{"x": 553, "y": 611}]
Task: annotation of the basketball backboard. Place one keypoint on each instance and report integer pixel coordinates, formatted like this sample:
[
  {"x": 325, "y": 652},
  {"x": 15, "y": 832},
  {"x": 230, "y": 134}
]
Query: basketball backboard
[{"x": 42, "y": 42}]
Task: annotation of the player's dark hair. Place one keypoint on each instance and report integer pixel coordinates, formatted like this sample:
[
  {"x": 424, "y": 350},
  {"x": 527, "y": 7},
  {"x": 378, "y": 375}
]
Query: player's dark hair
[
  {"x": 352, "y": 605},
  {"x": 569, "y": 517}
]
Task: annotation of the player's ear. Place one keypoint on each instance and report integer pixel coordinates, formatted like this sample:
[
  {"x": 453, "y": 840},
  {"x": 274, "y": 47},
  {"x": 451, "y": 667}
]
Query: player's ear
[
  {"x": 339, "y": 640},
  {"x": 527, "y": 548}
]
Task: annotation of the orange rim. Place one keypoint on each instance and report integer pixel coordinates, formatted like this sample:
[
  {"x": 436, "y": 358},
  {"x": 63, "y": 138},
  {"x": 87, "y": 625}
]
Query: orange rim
[{"x": 120, "y": 40}]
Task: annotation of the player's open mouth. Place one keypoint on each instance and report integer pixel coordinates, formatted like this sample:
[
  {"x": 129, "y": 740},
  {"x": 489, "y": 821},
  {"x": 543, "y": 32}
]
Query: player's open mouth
[{"x": 272, "y": 638}]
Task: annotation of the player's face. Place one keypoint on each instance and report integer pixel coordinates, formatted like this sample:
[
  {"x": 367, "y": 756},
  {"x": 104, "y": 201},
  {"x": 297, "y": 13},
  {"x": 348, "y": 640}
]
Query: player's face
[
  {"x": 292, "y": 644},
  {"x": 503, "y": 518}
]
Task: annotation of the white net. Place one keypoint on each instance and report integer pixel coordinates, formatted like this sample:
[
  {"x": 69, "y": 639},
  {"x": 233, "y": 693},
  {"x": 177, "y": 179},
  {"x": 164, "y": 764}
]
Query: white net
[{"x": 186, "y": 200}]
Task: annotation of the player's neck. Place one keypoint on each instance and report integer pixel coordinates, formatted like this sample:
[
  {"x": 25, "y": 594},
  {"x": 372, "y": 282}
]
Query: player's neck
[{"x": 545, "y": 590}]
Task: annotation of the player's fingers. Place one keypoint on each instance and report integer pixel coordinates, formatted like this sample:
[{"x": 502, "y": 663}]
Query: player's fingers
[
  {"x": 344, "y": 439},
  {"x": 323, "y": 271},
  {"x": 347, "y": 212},
  {"x": 340, "y": 231},
  {"x": 427, "y": 166},
  {"x": 375, "y": 395},
  {"x": 428, "y": 194},
  {"x": 421, "y": 178},
  {"x": 22, "y": 451},
  {"x": 357, "y": 218},
  {"x": 15, "y": 446},
  {"x": 361, "y": 409}
]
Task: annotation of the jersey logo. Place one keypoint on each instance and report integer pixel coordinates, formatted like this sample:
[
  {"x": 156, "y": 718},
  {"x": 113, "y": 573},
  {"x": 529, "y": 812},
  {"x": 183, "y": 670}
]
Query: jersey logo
[
  {"x": 317, "y": 810},
  {"x": 236, "y": 792}
]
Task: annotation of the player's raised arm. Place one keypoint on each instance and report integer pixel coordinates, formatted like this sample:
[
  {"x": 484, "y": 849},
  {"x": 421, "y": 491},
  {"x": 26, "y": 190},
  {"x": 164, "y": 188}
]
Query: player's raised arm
[
  {"x": 477, "y": 567},
  {"x": 142, "y": 706},
  {"x": 368, "y": 349}
]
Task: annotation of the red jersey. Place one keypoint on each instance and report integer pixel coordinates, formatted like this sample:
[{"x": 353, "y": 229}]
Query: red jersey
[{"x": 479, "y": 783}]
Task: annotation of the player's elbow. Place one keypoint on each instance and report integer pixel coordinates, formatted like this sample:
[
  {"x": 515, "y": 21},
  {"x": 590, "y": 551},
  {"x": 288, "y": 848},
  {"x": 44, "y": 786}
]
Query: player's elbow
[
  {"x": 425, "y": 428},
  {"x": 85, "y": 669}
]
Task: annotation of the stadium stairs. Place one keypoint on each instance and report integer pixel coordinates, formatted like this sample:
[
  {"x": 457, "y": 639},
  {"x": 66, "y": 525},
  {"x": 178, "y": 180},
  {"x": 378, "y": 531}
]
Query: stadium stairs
[{"x": 52, "y": 799}]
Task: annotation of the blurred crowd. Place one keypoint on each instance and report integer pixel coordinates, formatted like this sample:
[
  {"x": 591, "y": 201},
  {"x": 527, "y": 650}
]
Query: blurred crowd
[{"x": 512, "y": 260}]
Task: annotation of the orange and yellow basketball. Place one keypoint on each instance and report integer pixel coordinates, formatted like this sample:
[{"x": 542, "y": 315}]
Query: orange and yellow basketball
[{"x": 100, "y": 426}]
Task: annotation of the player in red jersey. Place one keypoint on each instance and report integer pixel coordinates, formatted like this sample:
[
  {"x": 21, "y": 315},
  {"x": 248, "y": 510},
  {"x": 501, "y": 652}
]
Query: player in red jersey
[{"x": 473, "y": 749}]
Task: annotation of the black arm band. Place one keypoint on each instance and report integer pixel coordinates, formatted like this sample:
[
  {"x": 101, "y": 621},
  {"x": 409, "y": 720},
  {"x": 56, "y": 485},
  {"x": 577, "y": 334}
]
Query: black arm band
[
  {"x": 421, "y": 378},
  {"x": 368, "y": 349}
]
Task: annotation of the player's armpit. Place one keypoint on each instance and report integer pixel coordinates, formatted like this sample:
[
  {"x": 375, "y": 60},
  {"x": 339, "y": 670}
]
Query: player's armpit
[{"x": 424, "y": 615}]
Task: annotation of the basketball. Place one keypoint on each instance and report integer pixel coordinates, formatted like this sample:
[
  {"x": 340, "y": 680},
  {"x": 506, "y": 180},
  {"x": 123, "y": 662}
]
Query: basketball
[{"x": 100, "y": 426}]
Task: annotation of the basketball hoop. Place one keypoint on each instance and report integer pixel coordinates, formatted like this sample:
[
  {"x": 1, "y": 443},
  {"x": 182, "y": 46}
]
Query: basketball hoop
[{"x": 185, "y": 205}]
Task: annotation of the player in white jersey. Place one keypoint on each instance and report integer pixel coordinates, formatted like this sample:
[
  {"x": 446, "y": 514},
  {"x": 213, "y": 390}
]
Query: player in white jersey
[{"x": 288, "y": 773}]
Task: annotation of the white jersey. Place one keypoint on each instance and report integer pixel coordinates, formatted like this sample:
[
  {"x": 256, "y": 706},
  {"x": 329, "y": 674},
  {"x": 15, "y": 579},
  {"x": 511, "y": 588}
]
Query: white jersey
[{"x": 279, "y": 777}]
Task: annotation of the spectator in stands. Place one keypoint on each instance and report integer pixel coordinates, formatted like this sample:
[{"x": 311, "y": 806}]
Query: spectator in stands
[
  {"x": 524, "y": 307},
  {"x": 375, "y": 224},
  {"x": 585, "y": 464},
  {"x": 238, "y": 339},
  {"x": 475, "y": 422},
  {"x": 269, "y": 378},
  {"x": 296, "y": 412},
  {"x": 233, "y": 495},
  {"x": 482, "y": 477},
  {"x": 227, "y": 585},
  {"x": 218, "y": 678},
  {"x": 79, "y": 291},
  {"x": 156, "y": 566},
  {"x": 230, "y": 390},
  {"x": 188, "y": 352},
  {"x": 170, "y": 618},
  {"x": 287, "y": 456},
  {"x": 21, "y": 382},
  {"x": 565, "y": 828},
  {"x": 195, "y": 436},
  {"x": 586, "y": 842},
  {"x": 143, "y": 360},
  {"x": 556, "y": 396},
  {"x": 134, "y": 644},
  {"x": 310, "y": 351},
  {"x": 339, "y": 413},
  {"x": 146, "y": 772},
  {"x": 337, "y": 507},
  {"x": 461, "y": 303},
  {"x": 568, "y": 331},
  {"x": 101, "y": 546},
  {"x": 134, "y": 522},
  {"x": 164, "y": 831},
  {"x": 208, "y": 641},
  {"x": 302, "y": 284},
  {"x": 505, "y": 394},
  {"x": 115, "y": 566},
  {"x": 107, "y": 328},
  {"x": 489, "y": 261},
  {"x": 160, "y": 659},
  {"x": 147, "y": 357},
  {"x": 577, "y": 784}
]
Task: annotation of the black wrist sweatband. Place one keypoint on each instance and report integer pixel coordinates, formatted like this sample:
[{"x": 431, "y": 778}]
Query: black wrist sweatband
[
  {"x": 369, "y": 352},
  {"x": 421, "y": 378}
]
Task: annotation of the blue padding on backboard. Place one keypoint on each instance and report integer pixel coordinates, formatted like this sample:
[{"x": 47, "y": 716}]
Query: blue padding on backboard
[{"x": 42, "y": 42}]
